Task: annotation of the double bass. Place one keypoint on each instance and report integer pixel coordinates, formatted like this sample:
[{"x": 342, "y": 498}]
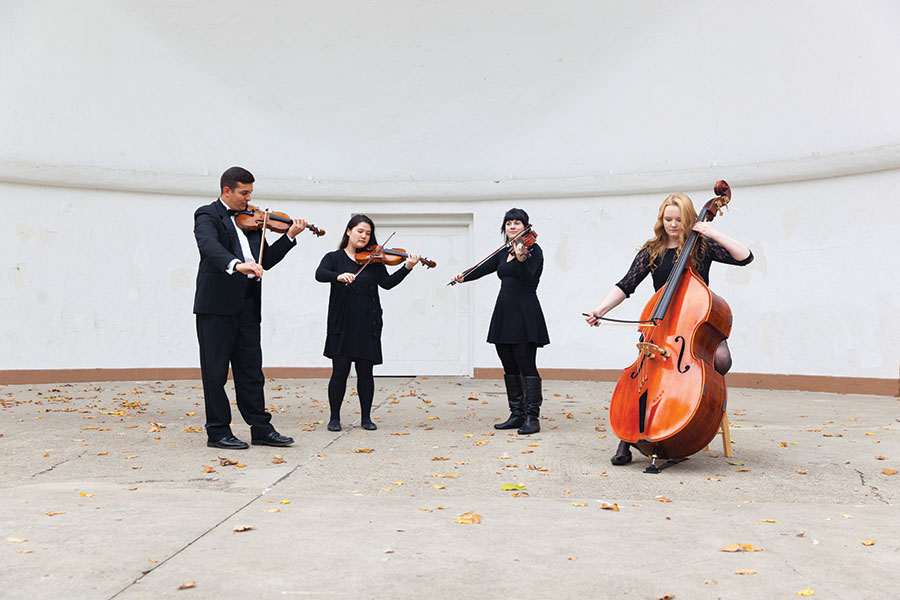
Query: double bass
[{"x": 669, "y": 403}]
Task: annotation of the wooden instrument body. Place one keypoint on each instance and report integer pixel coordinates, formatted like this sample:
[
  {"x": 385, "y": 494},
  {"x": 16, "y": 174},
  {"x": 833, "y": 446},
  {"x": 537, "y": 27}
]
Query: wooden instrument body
[{"x": 671, "y": 406}]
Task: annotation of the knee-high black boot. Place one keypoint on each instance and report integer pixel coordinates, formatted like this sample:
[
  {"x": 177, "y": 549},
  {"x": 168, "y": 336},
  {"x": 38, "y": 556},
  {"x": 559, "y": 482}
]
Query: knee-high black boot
[
  {"x": 533, "y": 401},
  {"x": 516, "y": 403}
]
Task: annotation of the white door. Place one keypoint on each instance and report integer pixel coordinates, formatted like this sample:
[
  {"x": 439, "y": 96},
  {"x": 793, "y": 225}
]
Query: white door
[{"x": 426, "y": 322}]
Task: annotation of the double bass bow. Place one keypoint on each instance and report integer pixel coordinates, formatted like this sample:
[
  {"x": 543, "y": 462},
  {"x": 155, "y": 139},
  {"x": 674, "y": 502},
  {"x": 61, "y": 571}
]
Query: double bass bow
[
  {"x": 669, "y": 403},
  {"x": 527, "y": 237}
]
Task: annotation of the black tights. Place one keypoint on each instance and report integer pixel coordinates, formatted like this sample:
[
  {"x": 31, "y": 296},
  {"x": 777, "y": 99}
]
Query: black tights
[
  {"x": 365, "y": 386},
  {"x": 519, "y": 359}
]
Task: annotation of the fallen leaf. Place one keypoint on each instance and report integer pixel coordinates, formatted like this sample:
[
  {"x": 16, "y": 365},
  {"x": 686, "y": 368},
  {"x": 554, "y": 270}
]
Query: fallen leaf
[
  {"x": 397, "y": 482},
  {"x": 194, "y": 429},
  {"x": 801, "y": 471},
  {"x": 806, "y": 592},
  {"x": 606, "y": 506},
  {"x": 846, "y": 516},
  {"x": 271, "y": 510},
  {"x": 768, "y": 520},
  {"x": 85, "y": 495},
  {"x": 508, "y": 487},
  {"x": 469, "y": 518},
  {"x": 51, "y": 513},
  {"x": 572, "y": 558},
  {"x": 208, "y": 469},
  {"x": 399, "y": 433},
  {"x": 661, "y": 499},
  {"x": 740, "y": 548},
  {"x": 240, "y": 528},
  {"x": 439, "y": 487},
  {"x": 585, "y": 504},
  {"x": 364, "y": 450},
  {"x": 285, "y": 501},
  {"x": 889, "y": 471},
  {"x": 868, "y": 542},
  {"x": 188, "y": 585},
  {"x": 24, "y": 551},
  {"x": 745, "y": 572},
  {"x": 440, "y": 458},
  {"x": 880, "y": 458},
  {"x": 16, "y": 540}
]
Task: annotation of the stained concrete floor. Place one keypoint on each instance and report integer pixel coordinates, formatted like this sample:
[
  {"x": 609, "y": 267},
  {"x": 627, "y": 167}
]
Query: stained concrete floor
[{"x": 109, "y": 491}]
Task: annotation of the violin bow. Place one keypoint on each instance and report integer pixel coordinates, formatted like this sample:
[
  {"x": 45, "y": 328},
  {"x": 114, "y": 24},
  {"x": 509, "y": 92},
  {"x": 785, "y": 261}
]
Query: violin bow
[
  {"x": 262, "y": 242},
  {"x": 371, "y": 257},
  {"x": 494, "y": 253}
]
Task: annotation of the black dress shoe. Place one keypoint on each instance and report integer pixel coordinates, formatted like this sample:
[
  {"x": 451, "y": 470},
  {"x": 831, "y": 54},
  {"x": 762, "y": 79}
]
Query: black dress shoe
[
  {"x": 334, "y": 425},
  {"x": 369, "y": 426},
  {"x": 229, "y": 442},
  {"x": 273, "y": 438},
  {"x": 621, "y": 459}
]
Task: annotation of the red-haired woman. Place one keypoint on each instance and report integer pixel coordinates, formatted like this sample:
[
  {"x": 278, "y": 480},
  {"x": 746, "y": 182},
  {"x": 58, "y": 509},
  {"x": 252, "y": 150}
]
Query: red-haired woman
[{"x": 676, "y": 219}]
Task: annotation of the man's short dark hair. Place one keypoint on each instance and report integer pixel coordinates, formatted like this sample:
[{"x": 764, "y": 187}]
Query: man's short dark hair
[{"x": 233, "y": 176}]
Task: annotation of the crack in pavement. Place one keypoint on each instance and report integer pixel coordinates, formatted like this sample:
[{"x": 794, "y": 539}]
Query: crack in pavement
[
  {"x": 62, "y": 462},
  {"x": 215, "y": 526},
  {"x": 874, "y": 490}
]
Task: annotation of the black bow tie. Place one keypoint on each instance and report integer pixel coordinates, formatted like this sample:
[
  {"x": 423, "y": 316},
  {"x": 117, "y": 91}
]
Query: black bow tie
[{"x": 230, "y": 212}]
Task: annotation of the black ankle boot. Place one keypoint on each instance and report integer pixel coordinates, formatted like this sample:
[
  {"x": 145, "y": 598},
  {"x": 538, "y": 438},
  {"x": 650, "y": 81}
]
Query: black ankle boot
[
  {"x": 516, "y": 403},
  {"x": 533, "y": 401}
]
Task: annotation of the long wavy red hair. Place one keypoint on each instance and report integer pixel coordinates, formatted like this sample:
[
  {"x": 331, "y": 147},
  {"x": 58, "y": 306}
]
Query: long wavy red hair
[{"x": 657, "y": 245}]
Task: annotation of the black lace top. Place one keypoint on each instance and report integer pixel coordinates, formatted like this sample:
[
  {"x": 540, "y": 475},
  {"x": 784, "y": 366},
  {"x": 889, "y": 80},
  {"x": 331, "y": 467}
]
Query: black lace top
[{"x": 640, "y": 267}]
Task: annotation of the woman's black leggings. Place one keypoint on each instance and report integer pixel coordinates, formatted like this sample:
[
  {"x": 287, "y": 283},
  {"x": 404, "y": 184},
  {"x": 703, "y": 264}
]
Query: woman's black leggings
[
  {"x": 519, "y": 359},
  {"x": 365, "y": 385}
]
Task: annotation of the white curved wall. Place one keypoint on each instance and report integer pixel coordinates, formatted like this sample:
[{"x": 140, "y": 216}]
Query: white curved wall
[{"x": 583, "y": 113}]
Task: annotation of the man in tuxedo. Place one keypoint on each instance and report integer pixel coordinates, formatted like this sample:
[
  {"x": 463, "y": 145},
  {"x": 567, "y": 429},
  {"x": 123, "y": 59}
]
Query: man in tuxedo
[{"x": 228, "y": 309}]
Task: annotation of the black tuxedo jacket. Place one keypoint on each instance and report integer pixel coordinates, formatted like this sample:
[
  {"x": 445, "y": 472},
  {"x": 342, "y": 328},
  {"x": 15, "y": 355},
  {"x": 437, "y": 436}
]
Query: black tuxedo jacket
[{"x": 219, "y": 293}]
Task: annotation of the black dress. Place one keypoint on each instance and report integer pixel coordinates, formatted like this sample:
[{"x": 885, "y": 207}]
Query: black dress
[
  {"x": 354, "y": 311},
  {"x": 517, "y": 317},
  {"x": 641, "y": 266}
]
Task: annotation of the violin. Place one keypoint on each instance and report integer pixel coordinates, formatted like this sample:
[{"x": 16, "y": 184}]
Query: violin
[
  {"x": 527, "y": 237},
  {"x": 387, "y": 256},
  {"x": 254, "y": 219},
  {"x": 670, "y": 401}
]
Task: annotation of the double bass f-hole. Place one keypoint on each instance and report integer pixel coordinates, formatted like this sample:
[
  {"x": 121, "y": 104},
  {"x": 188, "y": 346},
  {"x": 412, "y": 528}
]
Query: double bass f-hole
[{"x": 681, "y": 355}]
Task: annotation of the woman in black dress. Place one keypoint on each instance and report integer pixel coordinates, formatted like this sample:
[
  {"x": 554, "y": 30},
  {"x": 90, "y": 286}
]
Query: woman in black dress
[
  {"x": 676, "y": 219},
  {"x": 354, "y": 316},
  {"x": 517, "y": 325}
]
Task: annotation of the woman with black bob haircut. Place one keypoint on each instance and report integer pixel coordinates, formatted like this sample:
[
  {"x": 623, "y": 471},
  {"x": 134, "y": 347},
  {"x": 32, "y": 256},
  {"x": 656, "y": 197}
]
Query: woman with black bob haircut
[
  {"x": 354, "y": 316},
  {"x": 517, "y": 326}
]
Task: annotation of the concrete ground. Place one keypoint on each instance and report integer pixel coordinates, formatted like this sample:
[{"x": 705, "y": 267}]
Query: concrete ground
[{"x": 109, "y": 491}]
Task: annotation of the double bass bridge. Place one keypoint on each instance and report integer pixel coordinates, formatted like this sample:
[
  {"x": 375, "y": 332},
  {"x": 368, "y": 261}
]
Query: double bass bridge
[{"x": 650, "y": 350}]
